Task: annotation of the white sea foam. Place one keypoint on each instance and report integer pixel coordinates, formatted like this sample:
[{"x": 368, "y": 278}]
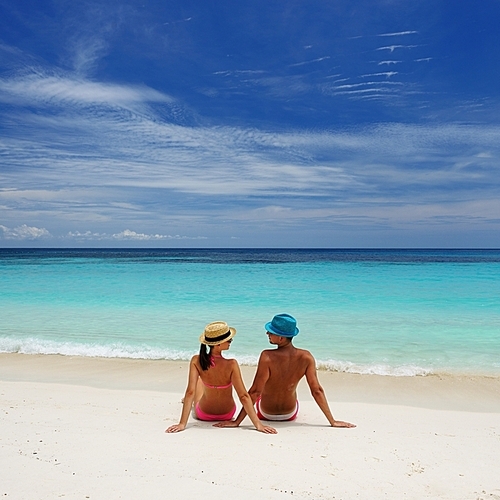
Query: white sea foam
[
  {"x": 375, "y": 369},
  {"x": 120, "y": 350},
  {"x": 115, "y": 350},
  {"x": 33, "y": 345}
]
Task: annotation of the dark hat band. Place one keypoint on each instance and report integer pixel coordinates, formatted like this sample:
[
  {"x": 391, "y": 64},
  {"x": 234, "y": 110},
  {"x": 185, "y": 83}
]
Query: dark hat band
[{"x": 219, "y": 338}]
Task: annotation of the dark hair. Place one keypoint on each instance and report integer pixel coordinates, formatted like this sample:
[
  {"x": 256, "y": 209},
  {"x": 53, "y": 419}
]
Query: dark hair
[{"x": 205, "y": 357}]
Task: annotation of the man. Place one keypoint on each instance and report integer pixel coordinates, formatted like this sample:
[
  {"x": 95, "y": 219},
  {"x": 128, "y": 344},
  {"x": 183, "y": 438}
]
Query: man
[{"x": 274, "y": 389}]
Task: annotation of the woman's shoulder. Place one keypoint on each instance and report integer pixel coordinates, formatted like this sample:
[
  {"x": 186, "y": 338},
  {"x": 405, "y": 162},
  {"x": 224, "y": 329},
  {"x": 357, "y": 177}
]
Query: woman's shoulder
[
  {"x": 227, "y": 363},
  {"x": 195, "y": 363},
  {"x": 234, "y": 365}
]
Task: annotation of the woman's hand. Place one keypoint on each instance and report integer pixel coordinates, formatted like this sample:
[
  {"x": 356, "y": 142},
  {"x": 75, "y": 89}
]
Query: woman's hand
[{"x": 175, "y": 428}]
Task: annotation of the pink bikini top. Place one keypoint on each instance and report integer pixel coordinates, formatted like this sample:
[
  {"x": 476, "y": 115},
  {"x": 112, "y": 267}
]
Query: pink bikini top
[
  {"x": 212, "y": 363},
  {"x": 217, "y": 386}
]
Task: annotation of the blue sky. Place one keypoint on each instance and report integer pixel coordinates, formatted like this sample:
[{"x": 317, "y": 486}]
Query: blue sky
[{"x": 198, "y": 123}]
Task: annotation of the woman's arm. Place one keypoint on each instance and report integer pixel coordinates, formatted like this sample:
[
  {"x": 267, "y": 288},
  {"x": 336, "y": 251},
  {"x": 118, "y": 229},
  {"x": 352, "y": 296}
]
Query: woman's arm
[
  {"x": 246, "y": 400},
  {"x": 188, "y": 398},
  {"x": 259, "y": 382}
]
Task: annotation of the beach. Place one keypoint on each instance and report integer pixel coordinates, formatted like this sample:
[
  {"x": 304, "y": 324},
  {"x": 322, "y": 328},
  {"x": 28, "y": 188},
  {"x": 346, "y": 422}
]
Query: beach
[{"x": 80, "y": 427}]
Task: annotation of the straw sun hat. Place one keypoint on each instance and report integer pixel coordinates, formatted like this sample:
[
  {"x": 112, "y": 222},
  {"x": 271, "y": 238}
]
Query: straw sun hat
[{"x": 216, "y": 333}]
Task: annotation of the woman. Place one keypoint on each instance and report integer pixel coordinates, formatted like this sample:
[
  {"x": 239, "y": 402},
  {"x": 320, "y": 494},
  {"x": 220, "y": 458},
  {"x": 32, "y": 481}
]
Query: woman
[{"x": 211, "y": 381}]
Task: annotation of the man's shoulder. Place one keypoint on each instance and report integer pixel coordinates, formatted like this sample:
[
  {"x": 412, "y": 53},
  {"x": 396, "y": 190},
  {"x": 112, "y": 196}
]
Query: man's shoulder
[
  {"x": 306, "y": 355},
  {"x": 267, "y": 353},
  {"x": 304, "y": 352}
]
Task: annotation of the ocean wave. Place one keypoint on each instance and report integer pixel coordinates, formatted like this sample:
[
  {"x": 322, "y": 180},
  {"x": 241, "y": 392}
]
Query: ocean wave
[
  {"x": 374, "y": 369},
  {"x": 120, "y": 350},
  {"x": 143, "y": 351},
  {"x": 115, "y": 350}
]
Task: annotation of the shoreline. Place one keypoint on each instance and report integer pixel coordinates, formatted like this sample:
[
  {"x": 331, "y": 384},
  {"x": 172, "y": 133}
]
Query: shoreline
[
  {"x": 477, "y": 393},
  {"x": 94, "y": 428},
  {"x": 75, "y": 350}
]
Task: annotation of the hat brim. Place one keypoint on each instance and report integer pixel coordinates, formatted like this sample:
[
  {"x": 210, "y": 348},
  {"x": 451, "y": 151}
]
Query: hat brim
[
  {"x": 229, "y": 337},
  {"x": 269, "y": 328}
]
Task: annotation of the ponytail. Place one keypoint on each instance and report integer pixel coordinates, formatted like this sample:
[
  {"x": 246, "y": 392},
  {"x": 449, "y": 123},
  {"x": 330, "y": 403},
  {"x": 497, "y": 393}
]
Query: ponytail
[{"x": 205, "y": 357}]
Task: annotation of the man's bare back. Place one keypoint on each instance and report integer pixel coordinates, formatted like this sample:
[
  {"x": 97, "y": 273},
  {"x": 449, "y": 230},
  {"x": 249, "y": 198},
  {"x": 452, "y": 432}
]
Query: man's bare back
[
  {"x": 279, "y": 371},
  {"x": 278, "y": 375}
]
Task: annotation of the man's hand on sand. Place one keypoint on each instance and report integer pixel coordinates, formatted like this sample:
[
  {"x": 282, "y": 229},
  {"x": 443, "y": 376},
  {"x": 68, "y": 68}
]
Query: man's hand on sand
[
  {"x": 340, "y": 423},
  {"x": 267, "y": 430},
  {"x": 231, "y": 423},
  {"x": 226, "y": 423}
]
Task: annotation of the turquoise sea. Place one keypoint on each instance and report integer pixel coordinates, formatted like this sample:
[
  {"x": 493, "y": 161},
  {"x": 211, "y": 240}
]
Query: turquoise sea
[{"x": 392, "y": 312}]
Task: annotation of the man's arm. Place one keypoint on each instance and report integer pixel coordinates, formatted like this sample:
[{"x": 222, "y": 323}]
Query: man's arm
[
  {"x": 259, "y": 382},
  {"x": 318, "y": 394}
]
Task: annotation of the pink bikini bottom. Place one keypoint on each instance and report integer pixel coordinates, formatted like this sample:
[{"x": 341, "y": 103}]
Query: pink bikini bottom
[{"x": 201, "y": 415}]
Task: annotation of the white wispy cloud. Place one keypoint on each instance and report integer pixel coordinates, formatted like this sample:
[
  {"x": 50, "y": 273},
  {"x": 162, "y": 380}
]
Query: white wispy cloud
[
  {"x": 373, "y": 212},
  {"x": 87, "y": 53},
  {"x": 24, "y": 232},
  {"x": 399, "y": 33},
  {"x": 125, "y": 235},
  {"x": 392, "y": 48},
  {"x": 387, "y": 74},
  {"x": 365, "y": 84},
  {"x": 319, "y": 59},
  {"x": 149, "y": 155},
  {"x": 367, "y": 88},
  {"x": 240, "y": 72},
  {"x": 42, "y": 89},
  {"x": 185, "y": 20},
  {"x": 86, "y": 235}
]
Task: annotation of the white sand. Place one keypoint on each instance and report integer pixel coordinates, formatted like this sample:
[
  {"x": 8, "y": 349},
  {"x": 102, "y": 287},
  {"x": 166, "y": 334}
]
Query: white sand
[{"x": 92, "y": 428}]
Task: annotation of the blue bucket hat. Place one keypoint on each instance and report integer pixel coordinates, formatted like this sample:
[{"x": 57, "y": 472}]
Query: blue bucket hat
[{"x": 283, "y": 325}]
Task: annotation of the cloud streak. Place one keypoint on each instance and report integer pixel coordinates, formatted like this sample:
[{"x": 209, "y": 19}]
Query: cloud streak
[
  {"x": 399, "y": 33},
  {"x": 42, "y": 89},
  {"x": 24, "y": 232},
  {"x": 126, "y": 235}
]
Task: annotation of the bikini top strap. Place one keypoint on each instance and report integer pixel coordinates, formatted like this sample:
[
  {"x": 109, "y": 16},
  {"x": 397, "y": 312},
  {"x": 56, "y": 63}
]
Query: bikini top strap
[
  {"x": 212, "y": 357},
  {"x": 217, "y": 386}
]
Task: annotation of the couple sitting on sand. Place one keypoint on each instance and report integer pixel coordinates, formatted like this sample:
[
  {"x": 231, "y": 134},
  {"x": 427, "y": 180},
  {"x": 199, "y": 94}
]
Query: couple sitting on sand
[{"x": 274, "y": 390}]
